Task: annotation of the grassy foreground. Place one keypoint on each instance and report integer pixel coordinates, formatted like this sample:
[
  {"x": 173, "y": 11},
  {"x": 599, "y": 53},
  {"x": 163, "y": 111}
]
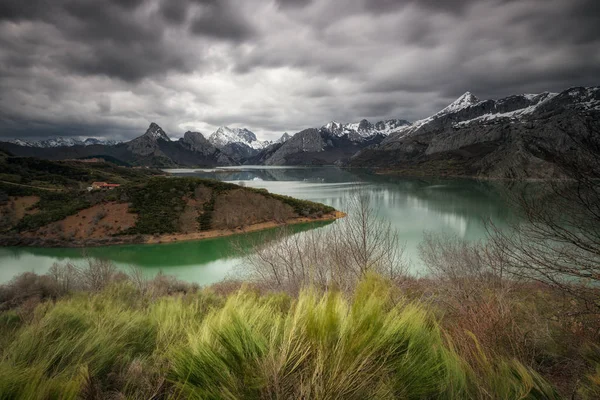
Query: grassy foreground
[{"x": 123, "y": 337}]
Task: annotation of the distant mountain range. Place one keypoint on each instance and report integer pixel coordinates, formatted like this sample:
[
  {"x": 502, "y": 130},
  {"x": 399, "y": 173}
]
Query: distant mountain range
[
  {"x": 517, "y": 136},
  {"x": 63, "y": 142}
]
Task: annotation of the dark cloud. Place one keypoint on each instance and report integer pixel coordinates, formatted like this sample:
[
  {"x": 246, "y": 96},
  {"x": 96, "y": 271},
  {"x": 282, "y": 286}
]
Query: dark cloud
[
  {"x": 294, "y": 3},
  {"x": 80, "y": 68},
  {"x": 452, "y": 6},
  {"x": 174, "y": 11},
  {"x": 220, "y": 20}
]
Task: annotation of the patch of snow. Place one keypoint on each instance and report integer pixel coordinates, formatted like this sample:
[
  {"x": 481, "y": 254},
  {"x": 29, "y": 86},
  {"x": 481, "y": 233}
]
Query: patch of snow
[
  {"x": 157, "y": 132},
  {"x": 364, "y": 129},
  {"x": 536, "y": 101},
  {"x": 226, "y": 135},
  {"x": 62, "y": 142},
  {"x": 466, "y": 100}
]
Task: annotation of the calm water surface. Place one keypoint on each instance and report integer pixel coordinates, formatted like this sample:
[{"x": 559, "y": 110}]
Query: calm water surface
[{"x": 411, "y": 205}]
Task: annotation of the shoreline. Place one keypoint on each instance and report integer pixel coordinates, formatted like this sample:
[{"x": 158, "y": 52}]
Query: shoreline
[
  {"x": 215, "y": 233},
  {"x": 160, "y": 239}
]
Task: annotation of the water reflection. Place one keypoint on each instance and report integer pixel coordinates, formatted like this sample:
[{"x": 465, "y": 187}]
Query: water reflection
[{"x": 412, "y": 205}]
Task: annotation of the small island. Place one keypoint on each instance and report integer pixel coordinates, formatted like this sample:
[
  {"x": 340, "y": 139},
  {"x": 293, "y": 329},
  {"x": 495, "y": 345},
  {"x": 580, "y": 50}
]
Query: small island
[{"x": 74, "y": 204}]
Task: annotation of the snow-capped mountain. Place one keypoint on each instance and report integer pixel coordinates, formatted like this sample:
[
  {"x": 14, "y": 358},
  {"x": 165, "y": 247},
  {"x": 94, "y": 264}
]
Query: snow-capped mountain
[
  {"x": 156, "y": 132},
  {"x": 24, "y": 143},
  {"x": 225, "y": 135},
  {"x": 364, "y": 129},
  {"x": 468, "y": 99},
  {"x": 63, "y": 142},
  {"x": 106, "y": 142},
  {"x": 284, "y": 138},
  {"x": 525, "y": 135},
  {"x": 502, "y": 109}
]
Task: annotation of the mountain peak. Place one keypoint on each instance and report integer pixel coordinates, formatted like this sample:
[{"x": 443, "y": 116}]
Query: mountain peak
[
  {"x": 156, "y": 132},
  {"x": 466, "y": 100},
  {"x": 284, "y": 138},
  {"x": 332, "y": 125},
  {"x": 225, "y": 135},
  {"x": 63, "y": 142}
]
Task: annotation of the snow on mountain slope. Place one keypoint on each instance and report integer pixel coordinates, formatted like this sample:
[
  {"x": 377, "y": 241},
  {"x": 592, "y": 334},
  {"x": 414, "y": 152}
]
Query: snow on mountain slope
[
  {"x": 92, "y": 141},
  {"x": 226, "y": 135},
  {"x": 24, "y": 143},
  {"x": 467, "y": 110},
  {"x": 468, "y": 99},
  {"x": 62, "y": 142},
  {"x": 364, "y": 129},
  {"x": 535, "y": 100},
  {"x": 156, "y": 132}
]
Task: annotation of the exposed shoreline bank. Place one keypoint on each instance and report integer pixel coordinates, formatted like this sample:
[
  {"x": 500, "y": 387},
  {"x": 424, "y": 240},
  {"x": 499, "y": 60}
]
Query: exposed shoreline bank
[{"x": 21, "y": 241}]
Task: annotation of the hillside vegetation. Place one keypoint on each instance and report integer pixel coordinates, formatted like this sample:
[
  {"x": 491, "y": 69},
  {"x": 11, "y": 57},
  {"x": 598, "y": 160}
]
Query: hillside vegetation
[
  {"x": 46, "y": 203},
  {"x": 67, "y": 174}
]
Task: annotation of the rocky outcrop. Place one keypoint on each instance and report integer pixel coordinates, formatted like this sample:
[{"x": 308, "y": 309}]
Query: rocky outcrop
[
  {"x": 197, "y": 143},
  {"x": 148, "y": 143},
  {"x": 318, "y": 147},
  {"x": 239, "y": 144},
  {"x": 524, "y": 136}
]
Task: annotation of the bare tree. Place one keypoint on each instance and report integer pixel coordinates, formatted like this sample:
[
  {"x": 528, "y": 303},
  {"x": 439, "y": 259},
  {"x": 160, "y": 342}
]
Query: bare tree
[
  {"x": 336, "y": 256},
  {"x": 366, "y": 242},
  {"x": 66, "y": 275},
  {"x": 460, "y": 262},
  {"x": 558, "y": 240}
]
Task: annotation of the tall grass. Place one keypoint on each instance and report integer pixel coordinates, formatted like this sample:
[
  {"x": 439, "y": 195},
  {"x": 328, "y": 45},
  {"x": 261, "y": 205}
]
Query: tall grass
[
  {"x": 122, "y": 342},
  {"x": 328, "y": 347}
]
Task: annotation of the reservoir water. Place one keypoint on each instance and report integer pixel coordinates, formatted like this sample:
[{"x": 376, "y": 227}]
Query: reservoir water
[{"x": 457, "y": 206}]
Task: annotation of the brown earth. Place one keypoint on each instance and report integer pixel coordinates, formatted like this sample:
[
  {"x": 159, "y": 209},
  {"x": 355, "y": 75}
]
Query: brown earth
[
  {"x": 23, "y": 205},
  {"x": 13, "y": 210},
  {"x": 103, "y": 224},
  {"x": 97, "y": 222}
]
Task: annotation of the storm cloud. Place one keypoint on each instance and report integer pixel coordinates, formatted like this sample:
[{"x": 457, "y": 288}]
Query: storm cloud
[{"x": 107, "y": 68}]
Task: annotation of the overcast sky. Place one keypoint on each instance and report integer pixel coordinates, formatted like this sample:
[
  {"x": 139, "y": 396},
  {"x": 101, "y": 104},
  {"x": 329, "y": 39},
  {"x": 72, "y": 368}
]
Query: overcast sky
[{"x": 107, "y": 68}]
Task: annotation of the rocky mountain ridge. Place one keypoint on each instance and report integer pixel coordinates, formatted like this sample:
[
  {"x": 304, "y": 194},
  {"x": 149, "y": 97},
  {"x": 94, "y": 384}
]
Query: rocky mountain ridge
[
  {"x": 154, "y": 148},
  {"x": 517, "y": 136},
  {"x": 63, "y": 142},
  {"x": 521, "y": 136}
]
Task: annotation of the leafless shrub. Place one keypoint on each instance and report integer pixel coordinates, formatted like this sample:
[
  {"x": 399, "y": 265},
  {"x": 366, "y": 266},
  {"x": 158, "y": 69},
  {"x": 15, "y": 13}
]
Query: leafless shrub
[
  {"x": 163, "y": 285},
  {"x": 364, "y": 242},
  {"x": 227, "y": 287},
  {"x": 66, "y": 276},
  {"x": 138, "y": 279},
  {"x": 160, "y": 285},
  {"x": 337, "y": 256},
  {"x": 97, "y": 274},
  {"x": 478, "y": 296},
  {"x": 28, "y": 286},
  {"x": 558, "y": 240},
  {"x": 459, "y": 262}
]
